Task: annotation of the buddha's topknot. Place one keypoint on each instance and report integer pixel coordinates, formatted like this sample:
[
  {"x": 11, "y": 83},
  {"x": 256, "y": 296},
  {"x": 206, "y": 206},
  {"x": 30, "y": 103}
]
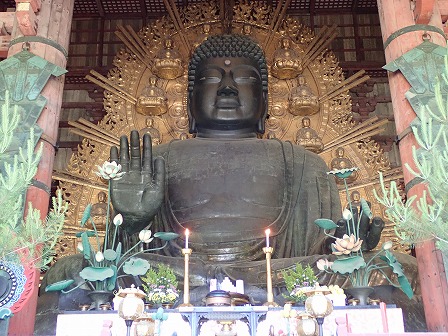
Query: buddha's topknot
[{"x": 228, "y": 46}]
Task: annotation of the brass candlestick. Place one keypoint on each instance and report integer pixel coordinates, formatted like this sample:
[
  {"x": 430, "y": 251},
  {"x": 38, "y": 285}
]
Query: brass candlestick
[
  {"x": 186, "y": 252},
  {"x": 270, "y": 302}
]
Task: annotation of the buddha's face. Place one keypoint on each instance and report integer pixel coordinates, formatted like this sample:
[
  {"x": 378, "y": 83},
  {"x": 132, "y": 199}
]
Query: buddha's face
[
  {"x": 306, "y": 122},
  {"x": 101, "y": 197},
  {"x": 227, "y": 94}
]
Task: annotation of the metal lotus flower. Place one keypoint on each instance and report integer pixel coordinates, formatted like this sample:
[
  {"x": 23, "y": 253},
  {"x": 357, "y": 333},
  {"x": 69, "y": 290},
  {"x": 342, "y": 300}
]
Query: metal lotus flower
[
  {"x": 324, "y": 264},
  {"x": 110, "y": 171},
  {"x": 346, "y": 245},
  {"x": 145, "y": 236},
  {"x": 343, "y": 173},
  {"x": 118, "y": 220}
]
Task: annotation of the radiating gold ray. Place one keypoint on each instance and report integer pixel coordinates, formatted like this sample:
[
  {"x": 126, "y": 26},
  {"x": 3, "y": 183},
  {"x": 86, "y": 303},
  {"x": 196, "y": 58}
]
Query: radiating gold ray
[{"x": 106, "y": 84}]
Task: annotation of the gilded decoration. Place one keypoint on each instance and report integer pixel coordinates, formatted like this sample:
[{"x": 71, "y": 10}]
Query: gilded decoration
[{"x": 325, "y": 99}]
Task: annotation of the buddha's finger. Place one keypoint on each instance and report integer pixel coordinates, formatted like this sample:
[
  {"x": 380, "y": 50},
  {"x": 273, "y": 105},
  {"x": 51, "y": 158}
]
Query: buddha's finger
[
  {"x": 124, "y": 153},
  {"x": 374, "y": 237},
  {"x": 147, "y": 154},
  {"x": 159, "y": 172},
  {"x": 136, "y": 160},
  {"x": 114, "y": 154}
]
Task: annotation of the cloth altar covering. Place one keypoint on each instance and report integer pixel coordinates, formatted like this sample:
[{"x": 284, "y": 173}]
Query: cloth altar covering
[{"x": 204, "y": 321}]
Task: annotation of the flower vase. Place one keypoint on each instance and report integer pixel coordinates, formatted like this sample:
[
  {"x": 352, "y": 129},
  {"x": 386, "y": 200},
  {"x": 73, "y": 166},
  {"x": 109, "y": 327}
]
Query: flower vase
[
  {"x": 99, "y": 298},
  {"x": 360, "y": 293}
]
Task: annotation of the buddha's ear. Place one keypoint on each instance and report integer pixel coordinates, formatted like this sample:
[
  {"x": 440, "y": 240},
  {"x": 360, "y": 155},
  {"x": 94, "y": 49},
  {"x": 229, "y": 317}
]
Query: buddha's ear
[
  {"x": 262, "y": 120},
  {"x": 191, "y": 120}
]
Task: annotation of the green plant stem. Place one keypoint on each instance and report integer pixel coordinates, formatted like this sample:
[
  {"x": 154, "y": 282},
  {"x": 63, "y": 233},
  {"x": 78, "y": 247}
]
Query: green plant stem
[
  {"x": 351, "y": 208},
  {"x": 82, "y": 283},
  {"x": 387, "y": 278},
  {"x": 373, "y": 257},
  {"x": 107, "y": 215},
  {"x": 96, "y": 233},
  {"x": 137, "y": 253},
  {"x": 357, "y": 278},
  {"x": 329, "y": 235},
  {"x": 115, "y": 236}
]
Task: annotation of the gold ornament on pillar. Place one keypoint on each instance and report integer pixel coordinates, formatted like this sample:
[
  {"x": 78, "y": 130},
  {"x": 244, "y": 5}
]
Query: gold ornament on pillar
[{"x": 168, "y": 63}]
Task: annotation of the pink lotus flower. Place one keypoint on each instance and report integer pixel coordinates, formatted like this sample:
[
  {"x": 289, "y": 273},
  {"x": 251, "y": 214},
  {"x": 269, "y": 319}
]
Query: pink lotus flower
[
  {"x": 346, "y": 245},
  {"x": 324, "y": 264}
]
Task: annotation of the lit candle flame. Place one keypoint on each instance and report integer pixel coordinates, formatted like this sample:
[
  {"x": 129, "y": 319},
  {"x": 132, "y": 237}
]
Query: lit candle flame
[
  {"x": 187, "y": 233},
  {"x": 268, "y": 232}
]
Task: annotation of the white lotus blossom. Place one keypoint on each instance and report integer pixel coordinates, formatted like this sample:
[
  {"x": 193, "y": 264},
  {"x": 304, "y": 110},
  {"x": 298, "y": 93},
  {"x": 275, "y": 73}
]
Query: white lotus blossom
[
  {"x": 347, "y": 214},
  {"x": 99, "y": 256},
  {"x": 110, "y": 170},
  {"x": 145, "y": 236},
  {"x": 118, "y": 220},
  {"x": 387, "y": 245}
]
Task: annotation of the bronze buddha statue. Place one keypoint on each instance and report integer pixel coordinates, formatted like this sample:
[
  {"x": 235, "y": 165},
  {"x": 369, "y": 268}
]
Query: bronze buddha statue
[{"x": 226, "y": 185}]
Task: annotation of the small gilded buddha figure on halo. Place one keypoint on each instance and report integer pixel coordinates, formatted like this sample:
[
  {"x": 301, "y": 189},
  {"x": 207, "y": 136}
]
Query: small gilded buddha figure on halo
[
  {"x": 99, "y": 211},
  {"x": 342, "y": 162},
  {"x": 286, "y": 62},
  {"x": 302, "y": 100},
  {"x": 156, "y": 137},
  {"x": 152, "y": 100},
  {"x": 168, "y": 64},
  {"x": 308, "y": 137}
]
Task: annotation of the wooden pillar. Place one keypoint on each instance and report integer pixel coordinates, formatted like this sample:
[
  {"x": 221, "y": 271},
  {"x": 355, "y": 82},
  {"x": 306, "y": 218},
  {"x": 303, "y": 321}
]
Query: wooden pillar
[
  {"x": 53, "y": 23},
  {"x": 394, "y": 15}
]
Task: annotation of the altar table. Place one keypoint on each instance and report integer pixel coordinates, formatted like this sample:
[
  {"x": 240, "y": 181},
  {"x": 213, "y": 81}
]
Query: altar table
[{"x": 249, "y": 321}]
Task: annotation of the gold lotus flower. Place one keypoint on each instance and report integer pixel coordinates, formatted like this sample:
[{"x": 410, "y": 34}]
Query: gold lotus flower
[{"x": 346, "y": 245}]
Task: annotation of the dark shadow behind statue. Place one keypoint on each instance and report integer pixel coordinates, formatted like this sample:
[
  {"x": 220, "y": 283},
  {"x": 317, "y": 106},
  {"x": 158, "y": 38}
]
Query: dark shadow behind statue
[{"x": 226, "y": 185}]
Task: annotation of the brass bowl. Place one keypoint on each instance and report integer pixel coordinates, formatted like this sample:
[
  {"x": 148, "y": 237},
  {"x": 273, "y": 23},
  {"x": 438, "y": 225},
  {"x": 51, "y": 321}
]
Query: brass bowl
[
  {"x": 218, "y": 298},
  {"x": 237, "y": 299}
]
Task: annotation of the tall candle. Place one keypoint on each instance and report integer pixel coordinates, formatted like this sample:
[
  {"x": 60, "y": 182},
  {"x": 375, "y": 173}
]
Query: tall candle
[
  {"x": 268, "y": 231},
  {"x": 187, "y": 233}
]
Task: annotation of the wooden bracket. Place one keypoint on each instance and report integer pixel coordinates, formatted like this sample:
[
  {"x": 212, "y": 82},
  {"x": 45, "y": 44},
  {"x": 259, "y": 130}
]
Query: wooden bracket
[
  {"x": 423, "y": 11},
  {"x": 26, "y": 19},
  {"x": 4, "y": 45},
  {"x": 35, "y": 4}
]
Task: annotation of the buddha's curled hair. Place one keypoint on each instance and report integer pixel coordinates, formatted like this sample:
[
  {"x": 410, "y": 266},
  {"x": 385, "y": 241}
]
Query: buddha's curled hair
[{"x": 228, "y": 46}]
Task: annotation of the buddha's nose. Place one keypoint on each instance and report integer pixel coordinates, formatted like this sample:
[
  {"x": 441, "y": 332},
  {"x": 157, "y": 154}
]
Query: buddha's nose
[{"x": 227, "y": 87}]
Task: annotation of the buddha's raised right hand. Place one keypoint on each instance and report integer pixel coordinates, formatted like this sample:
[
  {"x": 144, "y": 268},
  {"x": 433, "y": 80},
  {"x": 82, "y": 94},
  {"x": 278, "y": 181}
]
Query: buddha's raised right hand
[{"x": 139, "y": 193}]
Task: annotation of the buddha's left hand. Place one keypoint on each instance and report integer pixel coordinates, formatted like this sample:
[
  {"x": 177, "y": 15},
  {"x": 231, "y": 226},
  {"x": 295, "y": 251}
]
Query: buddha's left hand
[{"x": 369, "y": 229}]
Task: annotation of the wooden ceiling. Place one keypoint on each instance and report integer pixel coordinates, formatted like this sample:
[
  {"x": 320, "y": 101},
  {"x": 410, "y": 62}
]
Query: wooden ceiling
[{"x": 110, "y": 9}]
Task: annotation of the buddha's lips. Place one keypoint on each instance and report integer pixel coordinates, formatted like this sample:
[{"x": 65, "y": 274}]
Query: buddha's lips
[{"x": 227, "y": 103}]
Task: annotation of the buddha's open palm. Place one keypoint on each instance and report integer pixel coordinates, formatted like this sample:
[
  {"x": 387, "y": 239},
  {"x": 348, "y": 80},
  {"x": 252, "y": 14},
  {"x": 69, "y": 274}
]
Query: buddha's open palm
[{"x": 139, "y": 193}]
